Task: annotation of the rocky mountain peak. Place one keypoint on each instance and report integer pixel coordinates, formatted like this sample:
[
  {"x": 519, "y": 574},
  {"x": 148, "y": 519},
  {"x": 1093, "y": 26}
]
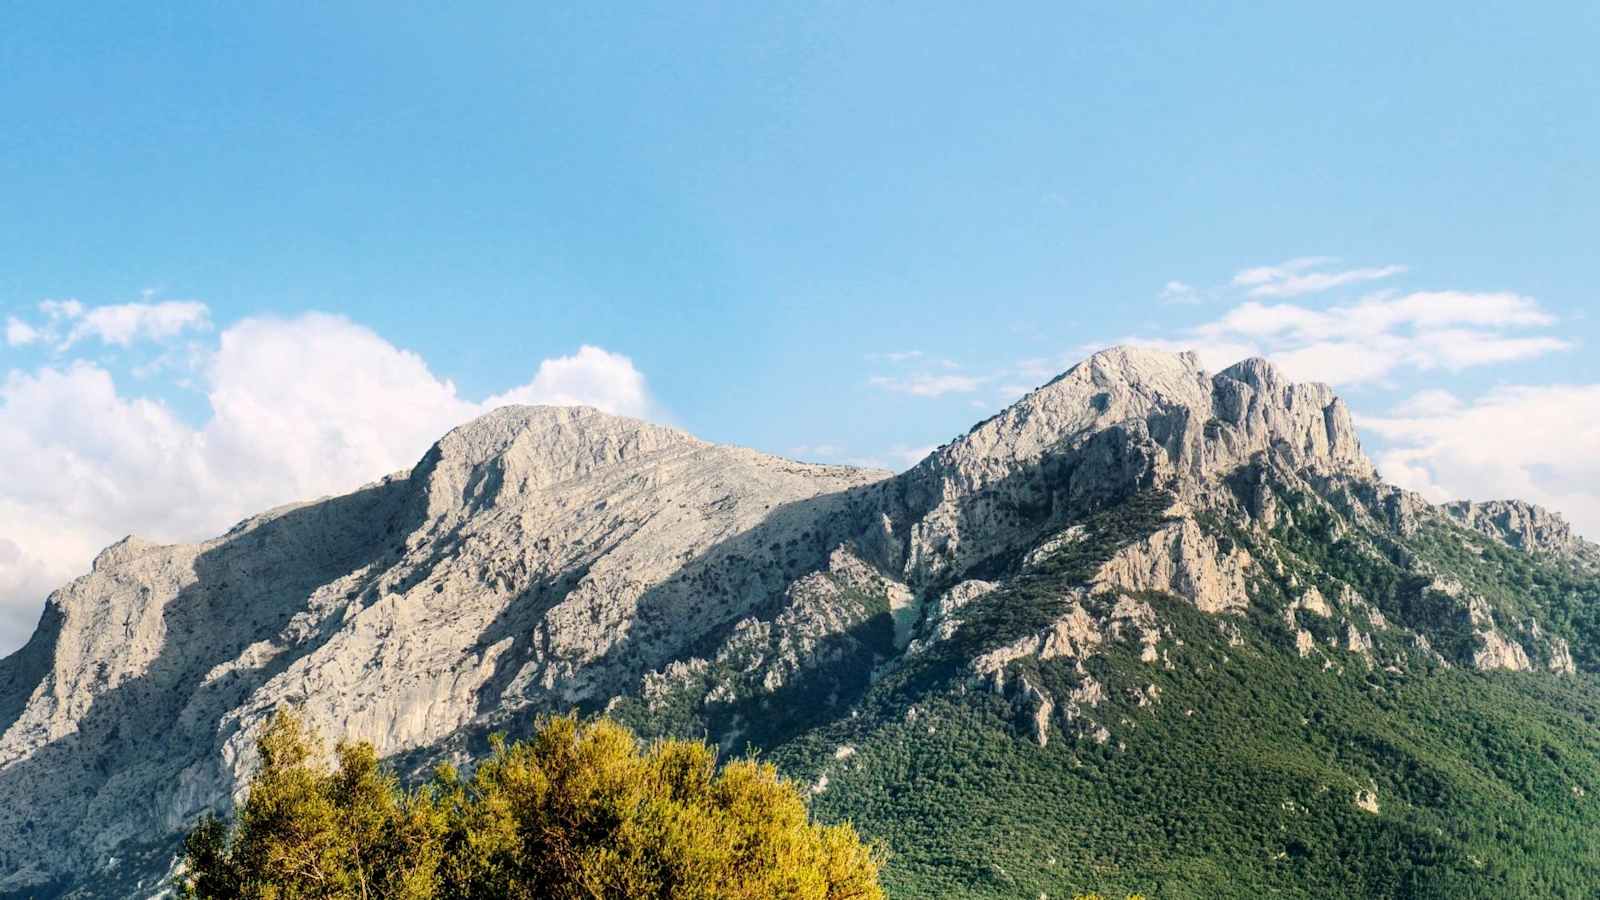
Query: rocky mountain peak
[
  {"x": 1135, "y": 369},
  {"x": 1257, "y": 372},
  {"x": 1124, "y": 420},
  {"x": 559, "y": 439},
  {"x": 1188, "y": 423},
  {"x": 533, "y": 447},
  {"x": 121, "y": 552}
]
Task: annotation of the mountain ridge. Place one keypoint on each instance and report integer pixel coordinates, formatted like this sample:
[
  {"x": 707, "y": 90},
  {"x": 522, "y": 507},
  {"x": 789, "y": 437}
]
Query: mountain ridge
[{"x": 539, "y": 558}]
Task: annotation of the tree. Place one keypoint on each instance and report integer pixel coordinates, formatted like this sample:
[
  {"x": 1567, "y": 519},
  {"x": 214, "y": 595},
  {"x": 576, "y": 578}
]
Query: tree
[
  {"x": 308, "y": 832},
  {"x": 578, "y": 811}
]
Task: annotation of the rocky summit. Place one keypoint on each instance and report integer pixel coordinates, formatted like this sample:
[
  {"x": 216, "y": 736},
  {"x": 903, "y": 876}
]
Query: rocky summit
[{"x": 1149, "y": 628}]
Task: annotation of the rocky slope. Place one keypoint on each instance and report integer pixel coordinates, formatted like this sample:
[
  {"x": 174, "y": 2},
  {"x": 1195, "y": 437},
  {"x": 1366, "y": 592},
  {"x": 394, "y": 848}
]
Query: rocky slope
[{"x": 545, "y": 558}]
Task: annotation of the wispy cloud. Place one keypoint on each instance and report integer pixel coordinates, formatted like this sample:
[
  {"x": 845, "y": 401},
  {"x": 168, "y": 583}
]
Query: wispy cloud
[
  {"x": 1306, "y": 275},
  {"x": 61, "y": 309},
  {"x": 896, "y": 458},
  {"x": 895, "y": 356},
  {"x": 910, "y": 456},
  {"x": 927, "y": 384},
  {"x": 1003, "y": 383},
  {"x": 64, "y": 323},
  {"x": 1263, "y": 274},
  {"x": 1372, "y": 338},
  {"x": 816, "y": 451},
  {"x": 1178, "y": 292},
  {"x": 1038, "y": 367},
  {"x": 122, "y": 324}
]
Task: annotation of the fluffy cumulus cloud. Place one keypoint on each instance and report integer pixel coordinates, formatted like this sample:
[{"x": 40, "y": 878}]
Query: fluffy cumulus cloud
[
  {"x": 590, "y": 377},
  {"x": 299, "y": 408},
  {"x": 1372, "y": 338},
  {"x": 1536, "y": 443}
]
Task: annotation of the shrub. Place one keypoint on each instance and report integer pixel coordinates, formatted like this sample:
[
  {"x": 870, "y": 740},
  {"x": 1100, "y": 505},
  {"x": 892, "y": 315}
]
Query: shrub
[{"x": 577, "y": 811}]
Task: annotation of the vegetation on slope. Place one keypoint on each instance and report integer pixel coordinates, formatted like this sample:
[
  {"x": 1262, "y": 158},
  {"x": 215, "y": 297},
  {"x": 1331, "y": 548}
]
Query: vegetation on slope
[
  {"x": 1242, "y": 781},
  {"x": 578, "y": 811}
]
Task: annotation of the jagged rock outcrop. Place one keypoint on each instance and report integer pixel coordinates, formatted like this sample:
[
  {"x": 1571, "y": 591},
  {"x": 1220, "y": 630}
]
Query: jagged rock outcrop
[
  {"x": 1524, "y": 526},
  {"x": 543, "y": 558},
  {"x": 1124, "y": 418},
  {"x": 1181, "y": 559}
]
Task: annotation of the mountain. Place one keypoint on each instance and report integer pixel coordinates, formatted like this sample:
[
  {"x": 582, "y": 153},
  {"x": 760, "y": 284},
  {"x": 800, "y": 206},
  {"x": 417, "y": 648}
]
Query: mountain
[{"x": 1148, "y": 628}]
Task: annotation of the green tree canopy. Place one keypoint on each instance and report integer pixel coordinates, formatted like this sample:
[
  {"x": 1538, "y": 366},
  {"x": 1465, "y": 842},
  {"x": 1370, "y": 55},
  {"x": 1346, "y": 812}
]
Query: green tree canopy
[{"x": 578, "y": 811}]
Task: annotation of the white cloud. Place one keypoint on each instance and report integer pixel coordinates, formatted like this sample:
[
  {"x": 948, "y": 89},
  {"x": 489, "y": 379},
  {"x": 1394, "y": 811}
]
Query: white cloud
[
  {"x": 68, "y": 322},
  {"x": 1374, "y": 337},
  {"x": 927, "y": 385},
  {"x": 1041, "y": 368},
  {"x": 1536, "y": 443},
  {"x": 1422, "y": 311},
  {"x": 1008, "y": 382},
  {"x": 20, "y": 333},
  {"x": 1297, "y": 277},
  {"x": 895, "y": 356},
  {"x": 910, "y": 456},
  {"x": 122, "y": 324},
  {"x": 1179, "y": 292},
  {"x": 300, "y": 408},
  {"x": 61, "y": 309},
  {"x": 1265, "y": 274},
  {"x": 84, "y": 466},
  {"x": 816, "y": 451},
  {"x": 590, "y": 377},
  {"x": 897, "y": 458},
  {"x": 320, "y": 403},
  {"x": 1430, "y": 402}
]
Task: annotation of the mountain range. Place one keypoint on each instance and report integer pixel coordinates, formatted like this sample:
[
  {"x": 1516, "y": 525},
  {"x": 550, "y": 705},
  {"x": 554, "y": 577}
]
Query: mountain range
[{"x": 1149, "y": 628}]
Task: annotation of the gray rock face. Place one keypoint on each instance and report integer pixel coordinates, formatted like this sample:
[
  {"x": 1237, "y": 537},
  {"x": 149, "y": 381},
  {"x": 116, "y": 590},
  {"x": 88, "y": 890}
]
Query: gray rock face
[
  {"x": 540, "y": 558},
  {"x": 1123, "y": 418},
  {"x": 1525, "y": 527},
  {"x": 535, "y": 556}
]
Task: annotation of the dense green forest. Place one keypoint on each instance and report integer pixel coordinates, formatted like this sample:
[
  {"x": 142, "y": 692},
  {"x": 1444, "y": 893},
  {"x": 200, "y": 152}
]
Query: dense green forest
[{"x": 1241, "y": 781}]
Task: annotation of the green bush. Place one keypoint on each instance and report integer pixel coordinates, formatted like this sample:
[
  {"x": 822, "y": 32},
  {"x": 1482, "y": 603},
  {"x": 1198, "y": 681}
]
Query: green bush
[{"x": 577, "y": 811}]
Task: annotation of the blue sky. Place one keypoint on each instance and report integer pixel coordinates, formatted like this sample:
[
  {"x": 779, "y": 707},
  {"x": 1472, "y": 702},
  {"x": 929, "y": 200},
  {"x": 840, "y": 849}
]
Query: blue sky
[{"x": 754, "y": 216}]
